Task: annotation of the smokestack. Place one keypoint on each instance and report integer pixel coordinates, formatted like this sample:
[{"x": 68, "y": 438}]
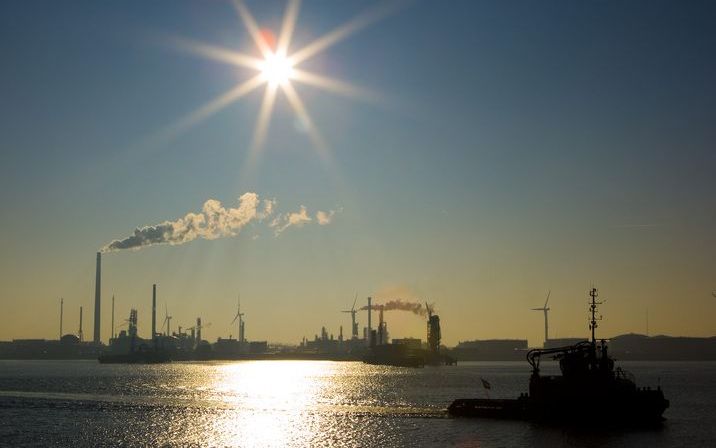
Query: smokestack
[
  {"x": 381, "y": 336},
  {"x": 62, "y": 306},
  {"x": 111, "y": 334},
  {"x": 154, "y": 310},
  {"x": 198, "y": 330},
  {"x": 80, "y": 334},
  {"x": 434, "y": 333},
  {"x": 97, "y": 294},
  {"x": 370, "y": 334}
]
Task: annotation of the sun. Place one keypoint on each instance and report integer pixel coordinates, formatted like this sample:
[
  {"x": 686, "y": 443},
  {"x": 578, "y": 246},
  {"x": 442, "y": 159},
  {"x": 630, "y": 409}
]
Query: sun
[{"x": 276, "y": 69}]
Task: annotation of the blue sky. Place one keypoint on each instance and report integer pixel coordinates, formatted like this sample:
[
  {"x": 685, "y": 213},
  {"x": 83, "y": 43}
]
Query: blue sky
[{"x": 520, "y": 146}]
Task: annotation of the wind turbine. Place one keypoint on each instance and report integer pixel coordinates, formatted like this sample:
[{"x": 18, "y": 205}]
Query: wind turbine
[
  {"x": 545, "y": 309},
  {"x": 240, "y": 316},
  {"x": 354, "y": 325},
  {"x": 167, "y": 319}
]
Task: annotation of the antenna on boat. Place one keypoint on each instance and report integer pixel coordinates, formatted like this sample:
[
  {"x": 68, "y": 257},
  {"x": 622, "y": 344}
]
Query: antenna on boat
[{"x": 593, "y": 309}]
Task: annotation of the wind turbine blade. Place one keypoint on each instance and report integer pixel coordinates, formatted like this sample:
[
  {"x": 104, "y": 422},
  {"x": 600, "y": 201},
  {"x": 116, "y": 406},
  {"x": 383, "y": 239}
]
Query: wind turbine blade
[
  {"x": 356, "y": 299},
  {"x": 548, "y": 294}
]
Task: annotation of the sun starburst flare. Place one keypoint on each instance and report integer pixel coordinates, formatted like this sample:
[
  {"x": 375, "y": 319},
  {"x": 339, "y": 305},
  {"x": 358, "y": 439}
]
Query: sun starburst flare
[{"x": 277, "y": 71}]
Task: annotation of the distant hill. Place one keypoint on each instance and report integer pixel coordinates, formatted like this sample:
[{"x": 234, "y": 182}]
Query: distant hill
[{"x": 634, "y": 346}]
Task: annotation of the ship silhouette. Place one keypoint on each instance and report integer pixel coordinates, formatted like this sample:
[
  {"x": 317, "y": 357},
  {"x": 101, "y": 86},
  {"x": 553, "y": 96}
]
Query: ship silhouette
[{"x": 589, "y": 388}]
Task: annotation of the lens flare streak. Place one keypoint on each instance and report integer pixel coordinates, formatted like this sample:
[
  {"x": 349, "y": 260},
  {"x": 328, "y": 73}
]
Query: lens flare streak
[
  {"x": 219, "y": 54},
  {"x": 302, "y": 114},
  {"x": 210, "y": 108},
  {"x": 264, "y": 117},
  {"x": 252, "y": 27}
]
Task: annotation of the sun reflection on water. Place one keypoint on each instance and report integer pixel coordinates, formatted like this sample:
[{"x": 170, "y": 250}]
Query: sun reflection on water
[
  {"x": 276, "y": 399},
  {"x": 296, "y": 404}
]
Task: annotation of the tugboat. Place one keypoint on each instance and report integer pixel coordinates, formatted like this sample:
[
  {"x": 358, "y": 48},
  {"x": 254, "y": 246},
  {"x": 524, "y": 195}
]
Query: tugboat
[{"x": 589, "y": 387}]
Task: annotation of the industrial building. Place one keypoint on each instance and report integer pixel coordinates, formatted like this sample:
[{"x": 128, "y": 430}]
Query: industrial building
[
  {"x": 405, "y": 352},
  {"x": 187, "y": 343},
  {"x": 68, "y": 347},
  {"x": 411, "y": 343}
]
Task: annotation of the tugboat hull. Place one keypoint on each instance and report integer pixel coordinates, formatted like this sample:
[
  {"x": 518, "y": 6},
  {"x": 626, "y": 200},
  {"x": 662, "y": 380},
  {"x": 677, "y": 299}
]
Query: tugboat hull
[
  {"x": 644, "y": 410},
  {"x": 589, "y": 390},
  {"x": 489, "y": 408}
]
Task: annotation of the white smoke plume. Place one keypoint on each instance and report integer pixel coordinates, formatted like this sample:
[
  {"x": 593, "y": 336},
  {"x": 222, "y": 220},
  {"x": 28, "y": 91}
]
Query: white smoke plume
[
  {"x": 214, "y": 221},
  {"x": 299, "y": 218},
  {"x": 324, "y": 218}
]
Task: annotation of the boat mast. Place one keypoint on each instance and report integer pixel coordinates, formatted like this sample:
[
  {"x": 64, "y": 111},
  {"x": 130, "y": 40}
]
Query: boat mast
[{"x": 593, "y": 309}]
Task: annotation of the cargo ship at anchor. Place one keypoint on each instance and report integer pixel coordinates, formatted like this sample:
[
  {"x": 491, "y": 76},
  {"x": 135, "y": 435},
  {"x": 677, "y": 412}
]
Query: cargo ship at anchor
[{"x": 589, "y": 388}]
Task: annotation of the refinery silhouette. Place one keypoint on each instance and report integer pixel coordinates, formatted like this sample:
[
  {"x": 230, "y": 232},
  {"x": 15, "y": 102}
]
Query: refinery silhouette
[{"x": 373, "y": 345}]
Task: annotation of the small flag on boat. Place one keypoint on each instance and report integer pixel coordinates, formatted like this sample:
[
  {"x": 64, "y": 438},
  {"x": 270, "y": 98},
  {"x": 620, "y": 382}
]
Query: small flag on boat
[{"x": 485, "y": 383}]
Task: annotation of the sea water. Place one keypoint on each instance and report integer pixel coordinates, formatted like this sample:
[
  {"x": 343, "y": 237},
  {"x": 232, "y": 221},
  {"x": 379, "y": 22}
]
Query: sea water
[{"x": 315, "y": 403}]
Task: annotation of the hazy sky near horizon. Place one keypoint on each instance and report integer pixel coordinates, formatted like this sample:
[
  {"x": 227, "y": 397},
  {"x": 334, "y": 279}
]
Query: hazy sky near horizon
[{"x": 518, "y": 147}]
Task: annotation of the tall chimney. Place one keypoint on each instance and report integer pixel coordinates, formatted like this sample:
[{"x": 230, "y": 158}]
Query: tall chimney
[
  {"x": 62, "y": 306},
  {"x": 369, "y": 313},
  {"x": 111, "y": 334},
  {"x": 97, "y": 295},
  {"x": 381, "y": 335},
  {"x": 154, "y": 310},
  {"x": 80, "y": 335}
]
